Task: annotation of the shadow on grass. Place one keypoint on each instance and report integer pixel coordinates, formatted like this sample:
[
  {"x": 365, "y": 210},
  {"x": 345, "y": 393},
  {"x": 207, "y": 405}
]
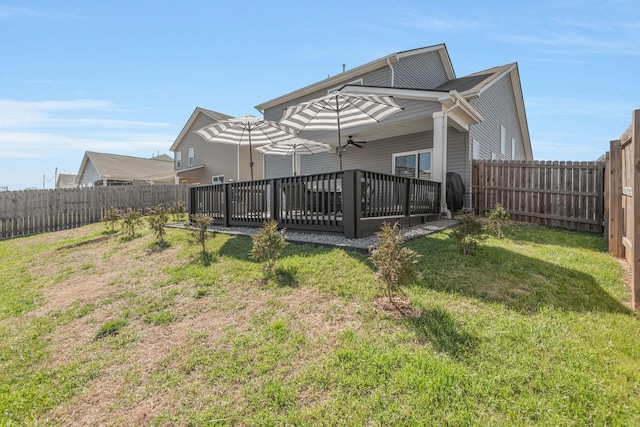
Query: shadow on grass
[
  {"x": 286, "y": 277},
  {"x": 526, "y": 233},
  {"x": 519, "y": 282},
  {"x": 237, "y": 247},
  {"x": 446, "y": 335},
  {"x": 205, "y": 258}
]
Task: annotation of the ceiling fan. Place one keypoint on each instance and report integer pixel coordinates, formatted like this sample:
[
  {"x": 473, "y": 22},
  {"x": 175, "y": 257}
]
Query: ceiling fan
[{"x": 358, "y": 144}]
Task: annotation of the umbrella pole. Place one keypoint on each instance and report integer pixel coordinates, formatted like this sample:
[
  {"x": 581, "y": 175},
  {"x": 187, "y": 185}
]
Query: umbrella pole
[
  {"x": 339, "y": 136},
  {"x": 250, "y": 156}
]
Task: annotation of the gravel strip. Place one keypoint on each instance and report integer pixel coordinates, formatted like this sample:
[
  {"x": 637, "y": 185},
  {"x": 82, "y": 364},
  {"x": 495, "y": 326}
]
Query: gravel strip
[{"x": 338, "y": 240}]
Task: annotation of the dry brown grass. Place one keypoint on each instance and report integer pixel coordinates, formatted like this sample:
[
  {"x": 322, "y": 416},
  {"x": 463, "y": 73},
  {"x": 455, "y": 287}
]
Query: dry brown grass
[{"x": 125, "y": 392}]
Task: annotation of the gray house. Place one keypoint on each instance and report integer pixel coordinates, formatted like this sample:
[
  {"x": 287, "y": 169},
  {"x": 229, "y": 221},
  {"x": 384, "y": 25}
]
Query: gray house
[
  {"x": 447, "y": 121},
  {"x": 200, "y": 162}
]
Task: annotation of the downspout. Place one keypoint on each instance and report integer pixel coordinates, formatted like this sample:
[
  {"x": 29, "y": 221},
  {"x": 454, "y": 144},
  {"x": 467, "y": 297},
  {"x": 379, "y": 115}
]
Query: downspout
[{"x": 393, "y": 73}]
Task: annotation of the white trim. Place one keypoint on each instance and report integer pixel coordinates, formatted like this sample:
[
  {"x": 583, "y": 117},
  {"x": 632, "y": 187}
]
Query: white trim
[
  {"x": 357, "y": 82},
  {"x": 513, "y": 148},
  {"x": 503, "y": 140},
  {"x": 417, "y": 154}
]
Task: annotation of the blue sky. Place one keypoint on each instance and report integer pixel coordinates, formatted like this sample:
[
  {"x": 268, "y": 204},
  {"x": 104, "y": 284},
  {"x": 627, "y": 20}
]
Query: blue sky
[{"x": 124, "y": 76}]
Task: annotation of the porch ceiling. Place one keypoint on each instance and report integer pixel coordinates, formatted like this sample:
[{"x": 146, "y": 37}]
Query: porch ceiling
[{"x": 386, "y": 129}]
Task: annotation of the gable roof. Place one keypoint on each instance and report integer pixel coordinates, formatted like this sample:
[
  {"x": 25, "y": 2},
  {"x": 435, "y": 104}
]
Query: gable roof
[
  {"x": 66, "y": 180},
  {"x": 348, "y": 76},
  {"x": 126, "y": 168},
  {"x": 194, "y": 116}
]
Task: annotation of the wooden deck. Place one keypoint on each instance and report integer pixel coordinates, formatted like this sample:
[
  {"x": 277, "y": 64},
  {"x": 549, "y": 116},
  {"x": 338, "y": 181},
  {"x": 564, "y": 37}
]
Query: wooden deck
[{"x": 353, "y": 202}]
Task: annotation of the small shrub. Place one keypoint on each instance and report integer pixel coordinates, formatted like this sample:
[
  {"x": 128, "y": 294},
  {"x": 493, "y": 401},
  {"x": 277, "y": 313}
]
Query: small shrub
[
  {"x": 268, "y": 244},
  {"x": 158, "y": 218},
  {"x": 111, "y": 219},
  {"x": 178, "y": 209},
  {"x": 498, "y": 219},
  {"x": 112, "y": 327},
  {"x": 468, "y": 233},
  {"x": 198, "y": 226},
  {"x": 394, "y": 263},
  {"x": 131, "y": 220}
]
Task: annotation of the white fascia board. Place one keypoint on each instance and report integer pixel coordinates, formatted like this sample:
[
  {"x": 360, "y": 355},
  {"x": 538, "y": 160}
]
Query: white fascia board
[
  {"x": 423, "y": 95},
  {"x": 327, "y": 83}
]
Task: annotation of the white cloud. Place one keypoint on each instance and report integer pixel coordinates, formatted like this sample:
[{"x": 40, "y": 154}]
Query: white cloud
[{"x": 63, "y": 114}]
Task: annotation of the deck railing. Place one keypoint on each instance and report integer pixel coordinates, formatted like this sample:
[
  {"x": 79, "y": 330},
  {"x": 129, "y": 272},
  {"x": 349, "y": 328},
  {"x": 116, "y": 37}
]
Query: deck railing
[{"x": 351, "y": 202}]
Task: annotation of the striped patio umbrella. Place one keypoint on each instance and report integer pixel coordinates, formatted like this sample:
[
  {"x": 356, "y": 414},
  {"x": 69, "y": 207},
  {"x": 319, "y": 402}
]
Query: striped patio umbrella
[
  {"x": 294, "y": 147},
  {"x": 339, "y": 110},
  {"x": 246, "y": 130}
]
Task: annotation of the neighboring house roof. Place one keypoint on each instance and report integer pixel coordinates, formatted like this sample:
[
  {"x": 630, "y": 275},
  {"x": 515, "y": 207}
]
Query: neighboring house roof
[
  {"x": 347, "y": 76},
  {"x": 126, "y": 168},
  {"x": 194, "y": 116},
  {"x": 66, "y": 180}
]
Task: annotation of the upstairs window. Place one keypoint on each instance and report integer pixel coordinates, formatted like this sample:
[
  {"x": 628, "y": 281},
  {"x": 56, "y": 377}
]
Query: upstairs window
[
  {"x": 476, "y": 150},
  {"x": 192, "y": 156},
  {"x": 178, "y": 159}
]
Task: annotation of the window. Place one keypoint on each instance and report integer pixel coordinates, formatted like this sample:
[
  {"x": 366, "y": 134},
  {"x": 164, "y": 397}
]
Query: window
[
  {"x": 513, "y": 148},
  {"x": 503, "y": 140},
  {"x": 178, "y": 159},
  {"x": 192, "y": 156},
  {"x": 217, "y": 179},
  {"x": 413, "y": 164},
  {"x": 476, "y": 150}
]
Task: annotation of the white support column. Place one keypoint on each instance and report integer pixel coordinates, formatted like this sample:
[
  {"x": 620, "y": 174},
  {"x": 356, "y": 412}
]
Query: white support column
[{"x": 439, "y": 163}]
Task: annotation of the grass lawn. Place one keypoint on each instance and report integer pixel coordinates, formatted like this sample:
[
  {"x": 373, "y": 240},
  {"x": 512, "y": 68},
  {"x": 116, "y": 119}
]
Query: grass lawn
[{"x": 534, "y": 329}]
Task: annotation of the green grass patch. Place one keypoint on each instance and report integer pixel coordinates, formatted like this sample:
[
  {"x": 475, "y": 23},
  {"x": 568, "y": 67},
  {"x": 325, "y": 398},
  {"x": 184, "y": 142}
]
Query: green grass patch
[{"x": 533, "y": 329}]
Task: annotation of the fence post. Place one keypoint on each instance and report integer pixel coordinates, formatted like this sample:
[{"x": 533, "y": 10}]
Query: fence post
[
  {"x": 615, "y": 199},
  {"x": 635, "y": 267}
]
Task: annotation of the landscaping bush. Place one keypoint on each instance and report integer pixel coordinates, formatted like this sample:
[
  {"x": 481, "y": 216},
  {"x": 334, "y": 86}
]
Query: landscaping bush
[
  {"x": 158, "y": 218},
  {"x": 178, "y": 209},
  {"x": 498, "y": 219},
  {"x": 131, "y": 220},
  {"x": 198, "y": 226},
  {"x": 394, "y": 263},
  {"x": 268, "y": 245},
  {"x": 468, "y": 233},
  {"x": 111, "y": 219}
]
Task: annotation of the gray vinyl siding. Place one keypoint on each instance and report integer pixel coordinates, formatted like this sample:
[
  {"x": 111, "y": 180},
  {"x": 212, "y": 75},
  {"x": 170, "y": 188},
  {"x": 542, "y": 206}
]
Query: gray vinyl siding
[
  {"x": 89, "y": 175},
  {"x": 458, "y": 159},
  {"x": 218, "y": 159},
  {"x": 498, "y": 107},
  {"x": 380, "y": 77},
  {"x": 424, "y": 71}
]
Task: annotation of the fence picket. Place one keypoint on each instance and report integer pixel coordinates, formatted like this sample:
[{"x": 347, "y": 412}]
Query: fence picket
[
  {"x": 37, "y": 211},
  {"x": 553, "y": 193}
]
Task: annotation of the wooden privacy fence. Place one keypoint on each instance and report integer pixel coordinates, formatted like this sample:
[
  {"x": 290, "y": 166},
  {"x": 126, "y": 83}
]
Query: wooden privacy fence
[
  {"x": 623, "y": 164},
  {"x": 551, "y": 193},
  {"x": 36, "y": 211}
]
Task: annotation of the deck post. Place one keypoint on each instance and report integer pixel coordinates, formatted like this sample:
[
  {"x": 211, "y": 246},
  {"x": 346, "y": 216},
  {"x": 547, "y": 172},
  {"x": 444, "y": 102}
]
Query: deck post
[
  {"x": 274, "y": 206},
  {"x": 191, "y": 209},
  {"x": 351, "y": 206},
  {"x": 226, "y": 212}
]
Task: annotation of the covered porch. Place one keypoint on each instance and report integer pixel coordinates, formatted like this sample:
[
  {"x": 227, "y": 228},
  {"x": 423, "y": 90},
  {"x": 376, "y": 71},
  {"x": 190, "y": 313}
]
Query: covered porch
[{"x": 354, "y": 203}]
